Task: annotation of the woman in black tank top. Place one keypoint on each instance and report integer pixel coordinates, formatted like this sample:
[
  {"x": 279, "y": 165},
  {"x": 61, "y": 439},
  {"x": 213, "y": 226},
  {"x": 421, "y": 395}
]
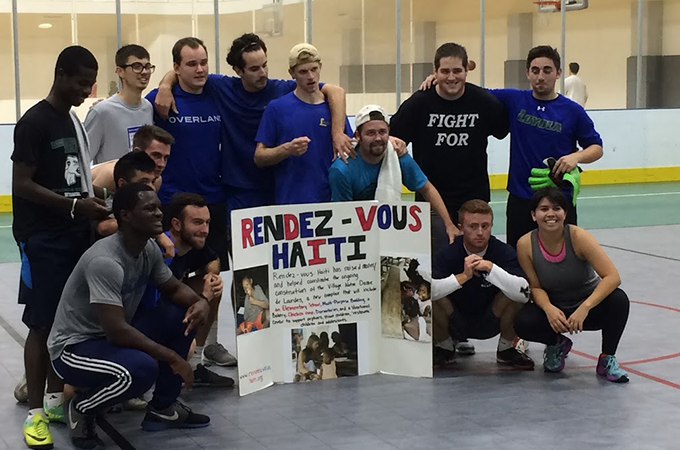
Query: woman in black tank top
[{"x": 574, "y": 287}]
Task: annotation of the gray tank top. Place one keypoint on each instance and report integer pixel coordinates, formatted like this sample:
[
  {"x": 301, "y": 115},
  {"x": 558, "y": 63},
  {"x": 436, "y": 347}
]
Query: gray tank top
[{"x": 568, "y": 282}]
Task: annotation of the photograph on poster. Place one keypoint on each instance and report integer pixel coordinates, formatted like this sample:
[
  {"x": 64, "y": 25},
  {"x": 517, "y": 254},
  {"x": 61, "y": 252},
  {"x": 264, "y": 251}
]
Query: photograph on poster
[
  {"x": 324, "y": 352},
  {"x": 406, "y": 307},
  {"x": 251, "y": 287}
]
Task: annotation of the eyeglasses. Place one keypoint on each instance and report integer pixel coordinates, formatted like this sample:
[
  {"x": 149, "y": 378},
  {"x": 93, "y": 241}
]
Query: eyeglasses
[{"x": 138, "y": 67}]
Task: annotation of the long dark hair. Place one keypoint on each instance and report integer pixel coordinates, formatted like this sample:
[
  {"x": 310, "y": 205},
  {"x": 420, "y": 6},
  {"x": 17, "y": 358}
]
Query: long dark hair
[{"x": 554, "y": 196}]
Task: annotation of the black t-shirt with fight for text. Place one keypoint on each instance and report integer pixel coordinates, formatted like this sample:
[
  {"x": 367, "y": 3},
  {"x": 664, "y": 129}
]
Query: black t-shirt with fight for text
[
  {"x": 46, "y": 139},
  {"x": 450, "y": 137}
]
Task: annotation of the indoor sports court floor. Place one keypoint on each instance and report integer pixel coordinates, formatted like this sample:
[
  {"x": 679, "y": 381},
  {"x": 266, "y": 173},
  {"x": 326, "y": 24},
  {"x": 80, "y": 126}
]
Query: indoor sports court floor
[{"x": 474, "y": 405}]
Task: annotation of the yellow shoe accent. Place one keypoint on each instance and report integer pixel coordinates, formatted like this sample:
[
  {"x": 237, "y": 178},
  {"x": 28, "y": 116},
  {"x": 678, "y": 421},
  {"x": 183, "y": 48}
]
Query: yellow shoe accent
[{"x": 37, "y": 432}]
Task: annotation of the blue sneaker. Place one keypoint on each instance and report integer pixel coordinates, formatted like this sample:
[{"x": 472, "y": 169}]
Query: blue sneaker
[
  {"x": 608, "y": 367},
  {"x": 555, "y": 355}
]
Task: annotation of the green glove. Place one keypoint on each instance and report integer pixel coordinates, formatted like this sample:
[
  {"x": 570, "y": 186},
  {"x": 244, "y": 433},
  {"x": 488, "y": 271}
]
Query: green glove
[
  {"x": 540, "y": 178},
  {"x": 574, "y": 178}
]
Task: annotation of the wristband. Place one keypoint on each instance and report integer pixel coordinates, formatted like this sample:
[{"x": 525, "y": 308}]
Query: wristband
[{"x": 73, "y": 209}]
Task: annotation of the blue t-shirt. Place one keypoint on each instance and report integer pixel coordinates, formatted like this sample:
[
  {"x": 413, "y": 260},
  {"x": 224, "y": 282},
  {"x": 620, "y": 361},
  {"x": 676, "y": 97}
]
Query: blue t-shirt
[
  {"x": 476, "y": 294},
  {"x": 358, "y": 179},
  {"x": 304, "y": 178},
  {"x": 540, "y": 129},
  {"x": 242, "y": 112},
  {"x": 194, "y": 163}
]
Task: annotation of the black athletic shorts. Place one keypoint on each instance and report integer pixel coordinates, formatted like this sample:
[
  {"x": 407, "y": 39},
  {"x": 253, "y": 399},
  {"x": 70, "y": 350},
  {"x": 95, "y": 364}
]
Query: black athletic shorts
[
  {"x": 482, "y": 326},
  {"x": 47, "y": 261}
]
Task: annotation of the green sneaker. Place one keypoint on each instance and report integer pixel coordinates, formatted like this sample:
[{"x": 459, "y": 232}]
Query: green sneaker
[{"x": 56, "y": 413}]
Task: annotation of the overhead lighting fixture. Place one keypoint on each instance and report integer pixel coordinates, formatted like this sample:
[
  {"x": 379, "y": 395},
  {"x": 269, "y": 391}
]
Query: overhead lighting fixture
[{"x": 45, "y": 26}]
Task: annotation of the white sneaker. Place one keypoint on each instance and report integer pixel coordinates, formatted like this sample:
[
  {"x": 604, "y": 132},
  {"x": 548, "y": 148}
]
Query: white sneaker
[
  {"x": 135, "y": 404},
  {"x": 21, "y": 390},
  {"x": 465, "y": 348},
  {"x": 520, "y": 345}
]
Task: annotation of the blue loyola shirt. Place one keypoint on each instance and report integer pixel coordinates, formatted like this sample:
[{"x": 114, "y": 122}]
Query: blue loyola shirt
[
  {"x": 540, "y": 129},
  {"x": 303, "y": 178},
  {"x": 195, "y": 160},
  {"x": 357, "y": 179}
]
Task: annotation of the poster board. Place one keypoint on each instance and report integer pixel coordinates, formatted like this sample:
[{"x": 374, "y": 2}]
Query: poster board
[{"x": 308, "y": 283}]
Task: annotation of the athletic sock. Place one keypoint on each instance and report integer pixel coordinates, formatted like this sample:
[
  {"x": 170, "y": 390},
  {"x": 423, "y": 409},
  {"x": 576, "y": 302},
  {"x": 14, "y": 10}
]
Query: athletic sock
[
  {"x": 34, "y": 411},
  {"x": 504, "y": 344},
  {"x": 54, "y": 399},
  {"x": 197, "y": 358},
  {"x": 212, "y": 334}
]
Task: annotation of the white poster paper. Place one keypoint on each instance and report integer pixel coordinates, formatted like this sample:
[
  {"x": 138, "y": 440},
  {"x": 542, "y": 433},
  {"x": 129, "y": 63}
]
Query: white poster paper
[{"x": 308, "y": 283}]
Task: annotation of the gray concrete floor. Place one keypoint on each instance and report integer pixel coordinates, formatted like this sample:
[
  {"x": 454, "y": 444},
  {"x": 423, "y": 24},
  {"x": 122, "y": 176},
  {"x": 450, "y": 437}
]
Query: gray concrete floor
[{"x": 473, "y": 405}]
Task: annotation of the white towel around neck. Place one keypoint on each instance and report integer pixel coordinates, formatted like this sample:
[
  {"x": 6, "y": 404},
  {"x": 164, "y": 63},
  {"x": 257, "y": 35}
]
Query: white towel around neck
[
  {"x": 84, "y": 155},
  {"x": 388, "y": 189}
]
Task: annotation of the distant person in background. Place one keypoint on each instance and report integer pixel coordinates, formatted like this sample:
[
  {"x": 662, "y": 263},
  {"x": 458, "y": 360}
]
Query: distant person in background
[
  {"x": 574, "y": 87},
  {"x": 113, "y": 88}
]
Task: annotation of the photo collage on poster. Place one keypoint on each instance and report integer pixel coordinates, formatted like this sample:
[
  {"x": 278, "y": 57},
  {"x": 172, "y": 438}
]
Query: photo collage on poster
[
  {"x": 405, "y": 299},
  {"x": 251, "y": 288},
  {"x": 315, "y": 300},
  {"x": 324, "y": 352}
]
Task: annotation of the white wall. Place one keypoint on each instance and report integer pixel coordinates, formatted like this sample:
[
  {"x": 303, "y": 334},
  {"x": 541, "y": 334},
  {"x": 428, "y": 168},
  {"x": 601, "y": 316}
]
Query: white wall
[{"x": 632, "y": 139}]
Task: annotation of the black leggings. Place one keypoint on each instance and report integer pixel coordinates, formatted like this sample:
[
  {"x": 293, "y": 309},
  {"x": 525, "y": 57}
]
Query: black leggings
[{"x": 610, "y": 316}]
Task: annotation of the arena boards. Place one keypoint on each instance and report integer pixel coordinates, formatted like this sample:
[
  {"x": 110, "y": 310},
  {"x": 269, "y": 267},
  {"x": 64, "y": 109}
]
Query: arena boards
[{"x": 331, "y": 290}]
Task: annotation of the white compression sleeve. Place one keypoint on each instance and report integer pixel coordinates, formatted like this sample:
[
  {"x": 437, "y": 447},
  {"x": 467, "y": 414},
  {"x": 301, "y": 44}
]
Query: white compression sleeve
[
  {"x": 514, "y": 287},
  {"x": 441, "y": 287}
]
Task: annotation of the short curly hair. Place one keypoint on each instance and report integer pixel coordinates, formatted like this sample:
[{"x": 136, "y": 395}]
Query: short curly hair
[{"x": 246, "y": 43}]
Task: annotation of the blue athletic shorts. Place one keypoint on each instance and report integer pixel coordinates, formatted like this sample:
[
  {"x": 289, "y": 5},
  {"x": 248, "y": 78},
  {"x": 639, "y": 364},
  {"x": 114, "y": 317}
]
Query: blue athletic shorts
[{"x": 47, "y": 261}]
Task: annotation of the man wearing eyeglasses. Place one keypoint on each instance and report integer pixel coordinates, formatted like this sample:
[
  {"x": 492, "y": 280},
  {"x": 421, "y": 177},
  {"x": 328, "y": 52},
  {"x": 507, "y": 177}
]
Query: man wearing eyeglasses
[{"x": 112, "y": 123}]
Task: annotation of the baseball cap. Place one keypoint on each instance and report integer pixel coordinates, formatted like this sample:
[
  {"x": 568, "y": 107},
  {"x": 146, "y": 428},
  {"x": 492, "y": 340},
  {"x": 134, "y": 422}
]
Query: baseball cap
[
  {"x": 368, "y": 113},
  {"x": 303, "y": 53}
]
